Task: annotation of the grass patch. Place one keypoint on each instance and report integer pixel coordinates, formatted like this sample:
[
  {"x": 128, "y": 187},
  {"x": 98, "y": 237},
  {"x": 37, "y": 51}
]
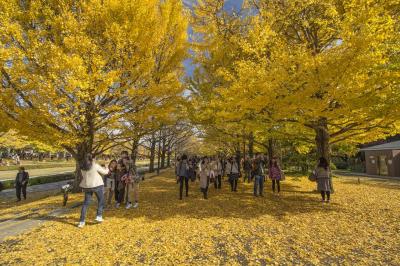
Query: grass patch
[{"x": 36, "y": 166}]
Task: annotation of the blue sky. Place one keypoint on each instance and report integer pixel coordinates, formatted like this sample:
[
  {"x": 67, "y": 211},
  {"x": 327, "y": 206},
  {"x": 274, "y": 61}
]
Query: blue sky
[{"x": 229, "y": 5}]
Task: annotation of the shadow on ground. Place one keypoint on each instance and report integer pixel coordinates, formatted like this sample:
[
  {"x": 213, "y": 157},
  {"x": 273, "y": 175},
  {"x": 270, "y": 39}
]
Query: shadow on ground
[{"x": 159, "y": 201}]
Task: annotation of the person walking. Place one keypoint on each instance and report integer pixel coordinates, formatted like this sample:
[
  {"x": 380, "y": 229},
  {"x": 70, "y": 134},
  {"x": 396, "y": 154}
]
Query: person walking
[
  {"x": 275, "y": 174},
  {"x": 217, "y": 170},
  {"x": 92, "y": 182},
  {"x": 182, "y": 171},
  {"x": 247, "y": 167},
  {"x": 204, "y": 178},
  {"x": 21, "y": 183},
  {"x": 233, "y": 173},
  {"x": 192, "y": 169},
  {"x": 323, "y": 178},
  {"x": 259, "y": 175}
]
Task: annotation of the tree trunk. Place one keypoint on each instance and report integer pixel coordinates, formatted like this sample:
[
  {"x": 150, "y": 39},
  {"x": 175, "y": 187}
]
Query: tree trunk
[
  {"x": 322, "y": 139},
  {"x": 244, "y": 149},
  {"x": 163, "y": 152},
  {"x": 77, "y": 177},
  {"x": 251, "y": 145},
  {"x": 152, "y": 153},
  {"x": 81, "y": 151},
  {"x": 159, "y": 153},
  {"x": 238, "y": 155},
  {"x": 271, "y": 149},
  {"x": 169, "y": 157},
  {"x": 134, "y": 151}
]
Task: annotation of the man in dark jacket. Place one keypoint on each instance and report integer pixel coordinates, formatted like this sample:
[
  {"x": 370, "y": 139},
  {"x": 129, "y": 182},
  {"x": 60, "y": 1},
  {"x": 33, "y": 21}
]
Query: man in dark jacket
[
  {"x": 21, "y": 182},
  {"x": 182, "y": 172}
]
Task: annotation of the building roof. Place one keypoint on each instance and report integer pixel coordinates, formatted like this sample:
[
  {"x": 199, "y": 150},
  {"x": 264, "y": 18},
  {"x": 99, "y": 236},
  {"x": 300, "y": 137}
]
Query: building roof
[{"x": 394, "y": 145}]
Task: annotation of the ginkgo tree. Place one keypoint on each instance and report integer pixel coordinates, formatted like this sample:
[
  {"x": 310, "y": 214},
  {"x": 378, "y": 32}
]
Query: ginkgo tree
[
  {"x": 321, "y": 65},
  {"x": 72, "y": 69}
]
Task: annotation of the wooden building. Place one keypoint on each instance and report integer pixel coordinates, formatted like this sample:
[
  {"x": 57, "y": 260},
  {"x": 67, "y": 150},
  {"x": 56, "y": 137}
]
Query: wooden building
[{"x": 383, "y": 160}]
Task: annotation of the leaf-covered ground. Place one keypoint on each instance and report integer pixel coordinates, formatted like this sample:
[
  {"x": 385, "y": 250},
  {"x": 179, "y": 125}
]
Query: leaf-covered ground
[{"x": 360, "y": 226}]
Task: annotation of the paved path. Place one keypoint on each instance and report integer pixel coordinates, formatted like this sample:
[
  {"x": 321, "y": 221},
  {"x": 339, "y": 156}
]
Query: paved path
[
  {"x": 37, "y": 172},
  {"x": 10, "y": 193},
  {"x": 23, "y": 223},
  {"x": 363, "y": 175}
]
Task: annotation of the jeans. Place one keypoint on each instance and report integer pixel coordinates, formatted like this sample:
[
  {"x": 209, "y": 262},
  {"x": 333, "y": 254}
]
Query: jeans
[
  {"x": 108, "y": 195},
  {"x": 233, "y": 180},
  {"x": 21, "y": 188},
  {"x": 120, "y": 195},
  {"x": 258, "y": 185},
  {"x": 328, "y": 195},
  {"x": 218, "y": 182},
  {"x": 277, "y": 183},
  {"x": 116, "y": 191},
  {"x": 99, "y": 192},
  {"x": 183, "y": 179}
]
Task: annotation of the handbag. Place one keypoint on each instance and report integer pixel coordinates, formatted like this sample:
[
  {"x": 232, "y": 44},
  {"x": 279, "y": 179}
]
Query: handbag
[
  {"x": 283, "y": 177},
  {"x": 312, "y": 176},
  {"x": 331, "y": 184},
  {"x": 120, "y": 186}
]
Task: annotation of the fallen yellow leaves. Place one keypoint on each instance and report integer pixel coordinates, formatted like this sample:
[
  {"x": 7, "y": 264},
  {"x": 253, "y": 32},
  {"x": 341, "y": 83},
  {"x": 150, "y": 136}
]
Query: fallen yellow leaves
[{"x": 360, "y": 226}]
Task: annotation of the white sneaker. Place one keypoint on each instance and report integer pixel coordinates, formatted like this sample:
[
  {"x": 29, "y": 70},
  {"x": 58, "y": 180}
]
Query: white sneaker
[
  {"x": 136, "y": 205},
  {"x": 81, "y": 224},
  {"x": 99, "y": 219},
  {"x": 117, "y": 205},
  {"x": 128, "y": 205}
]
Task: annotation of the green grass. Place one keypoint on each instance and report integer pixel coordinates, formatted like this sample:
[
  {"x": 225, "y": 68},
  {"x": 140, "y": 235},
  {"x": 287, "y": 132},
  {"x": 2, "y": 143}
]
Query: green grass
[{"x": 29, "y": 165}]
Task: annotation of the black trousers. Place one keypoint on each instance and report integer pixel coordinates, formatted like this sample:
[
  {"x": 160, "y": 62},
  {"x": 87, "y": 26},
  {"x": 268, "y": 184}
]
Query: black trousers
[
  {"x": 327, "y": 193},
  {"x": 120, "y": 195},
  {"x": 20, "y": 188},
  {"x": 278, "y": 184},
  {"x": 205, "y": 192},
  {"x": 182, "y": 180},
  {"x": 233, "y": 180},
  {"x": 116, "y": 192},
  {"x": 218, "y": 182}
]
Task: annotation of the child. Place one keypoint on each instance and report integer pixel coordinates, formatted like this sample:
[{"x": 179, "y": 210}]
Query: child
[
  {"x": 110, "y": 182},
  {"x": 120, "y": 189},
  {"x": 204, "y": 178}
]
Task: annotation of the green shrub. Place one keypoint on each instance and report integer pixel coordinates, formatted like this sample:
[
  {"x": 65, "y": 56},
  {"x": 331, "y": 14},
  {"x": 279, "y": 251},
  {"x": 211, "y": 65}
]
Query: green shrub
[{"x": 40, "y": 180}]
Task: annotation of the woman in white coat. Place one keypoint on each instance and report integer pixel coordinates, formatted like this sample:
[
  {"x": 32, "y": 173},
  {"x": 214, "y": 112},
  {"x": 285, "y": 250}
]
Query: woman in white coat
[{"x": 92, "y": 182}]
